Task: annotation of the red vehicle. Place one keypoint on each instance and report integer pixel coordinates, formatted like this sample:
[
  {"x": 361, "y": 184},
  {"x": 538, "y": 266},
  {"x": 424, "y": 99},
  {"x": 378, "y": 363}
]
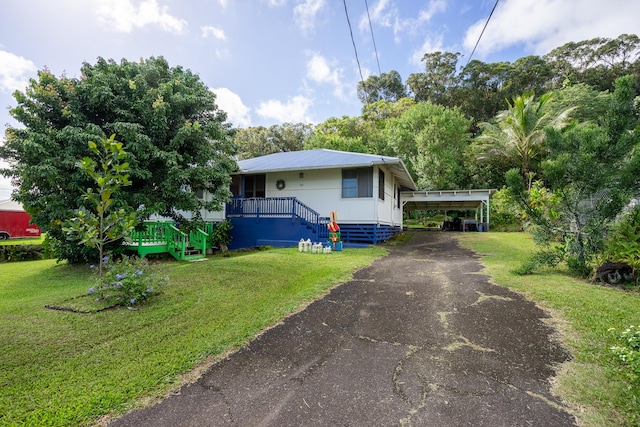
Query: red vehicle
[{"x": 15, "y": 222}]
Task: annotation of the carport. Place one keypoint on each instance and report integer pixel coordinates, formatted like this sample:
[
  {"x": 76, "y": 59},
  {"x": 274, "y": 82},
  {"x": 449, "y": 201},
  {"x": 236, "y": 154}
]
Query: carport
[{"x": 450, "y": 200}]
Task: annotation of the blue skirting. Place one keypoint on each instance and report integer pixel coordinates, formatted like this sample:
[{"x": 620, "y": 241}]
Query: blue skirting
[{"x": 287, "y": 232}]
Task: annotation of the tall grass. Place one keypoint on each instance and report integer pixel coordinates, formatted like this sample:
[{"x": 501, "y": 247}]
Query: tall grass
[
  {"x": 62, "y": 368},
  {"x": 594, "y": 383}
]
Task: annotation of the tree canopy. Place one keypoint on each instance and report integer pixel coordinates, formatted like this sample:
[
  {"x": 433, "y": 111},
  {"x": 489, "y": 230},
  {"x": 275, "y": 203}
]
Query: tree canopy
[{"x": 175, "y": 137}]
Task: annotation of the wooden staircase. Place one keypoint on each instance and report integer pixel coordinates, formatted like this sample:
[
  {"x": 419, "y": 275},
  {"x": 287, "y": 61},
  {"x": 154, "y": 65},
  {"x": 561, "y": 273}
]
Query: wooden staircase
[{"x": 164, "y": 237}]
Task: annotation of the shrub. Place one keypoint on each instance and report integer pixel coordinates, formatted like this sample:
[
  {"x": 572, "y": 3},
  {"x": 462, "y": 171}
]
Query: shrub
[
  {"x": 128, "y": 281},
  {"x": 221, "y": 235},
  {"x": 21, "y": 252},
  {"x": 623, "y": 242},
  {"x": 505, "y": 213},
  {"x": 550, "y": 256},
  {"x": 628, "y": 351}
]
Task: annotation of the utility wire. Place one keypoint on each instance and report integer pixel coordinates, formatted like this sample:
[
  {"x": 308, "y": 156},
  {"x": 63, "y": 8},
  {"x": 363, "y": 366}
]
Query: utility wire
[
  {"x": 373, "y": 38},
  {"x": 482, "y": 32},
  {"x": 352, "y": 40}
]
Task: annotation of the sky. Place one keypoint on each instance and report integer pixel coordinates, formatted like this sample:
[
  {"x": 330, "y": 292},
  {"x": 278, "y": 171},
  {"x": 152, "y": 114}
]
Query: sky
[{"x": 276, "y": 61}]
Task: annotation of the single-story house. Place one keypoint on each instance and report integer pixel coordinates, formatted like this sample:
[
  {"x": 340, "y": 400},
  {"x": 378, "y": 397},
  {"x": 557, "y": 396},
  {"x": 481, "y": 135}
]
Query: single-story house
[{"x": 281, "y": 198}]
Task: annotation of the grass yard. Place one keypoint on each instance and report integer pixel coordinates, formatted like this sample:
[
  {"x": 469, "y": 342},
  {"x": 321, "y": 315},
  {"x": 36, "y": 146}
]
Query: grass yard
[
  {"x": 594, "y": 383},
  {"x": 24, "y": 241},
  {"x": 63, "y": 368}
]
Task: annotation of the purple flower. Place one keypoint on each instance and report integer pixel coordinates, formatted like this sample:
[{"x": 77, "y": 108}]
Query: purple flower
[
  {"x": 132, "y": 301},
  {"x": 91, "y": 290},
  {"x": 120, "y": 276},
  {"x": 139, "y": 272}
]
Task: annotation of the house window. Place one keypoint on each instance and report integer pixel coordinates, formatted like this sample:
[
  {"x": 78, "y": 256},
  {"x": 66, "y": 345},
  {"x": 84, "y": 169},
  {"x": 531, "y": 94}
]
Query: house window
[
  {"x": 254, "y": 186},
  {"x": 357, "y": 182},
  {"x": 200, "y": 194},
  {"x": 380, "y": 185},
  {"x": 236, "y": 185}
]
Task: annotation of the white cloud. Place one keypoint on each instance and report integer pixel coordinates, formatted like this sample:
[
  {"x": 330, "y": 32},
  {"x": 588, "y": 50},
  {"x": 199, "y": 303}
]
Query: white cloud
[
  {"x": 380, "y": 14},
  {"x": 223, "y": 3},
  {"x": 319, "y": 71},
  {"x": 304, "y": 14},
  {"x": 231, "y": 103},
  {"x": 276, "y": 3},
  {"x": 209, "y": 31},
  {"x": 14, "y": 71},
  {"x": 386, "y": 14},
  {"x": 409, "y": 25},
  {"x": 430, "y": 45},
  {"x": 295, "y": 110},
  {"x": 543, "y": 25},
  {"x": 124, "y": 15}
]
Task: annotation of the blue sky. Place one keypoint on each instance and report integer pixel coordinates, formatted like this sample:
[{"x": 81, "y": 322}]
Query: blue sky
[{"x": 276, "y": 61}]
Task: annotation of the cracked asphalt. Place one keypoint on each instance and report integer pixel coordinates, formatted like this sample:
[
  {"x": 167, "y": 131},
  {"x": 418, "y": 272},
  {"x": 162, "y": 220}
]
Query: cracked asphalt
[{"x": 419, "y": 338}]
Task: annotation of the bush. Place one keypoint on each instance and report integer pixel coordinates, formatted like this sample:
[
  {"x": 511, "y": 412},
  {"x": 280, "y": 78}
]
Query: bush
[
  {"x": 623, "y": 242},
  {"x": 128, "y": 281},
  {"x": 505, "y": 213},
  {"x": 221, "y": 235},
  {"x": 22, "y": 253},
  {"x": 629, "y": 350},
  {"x": 548, "y": 257}
]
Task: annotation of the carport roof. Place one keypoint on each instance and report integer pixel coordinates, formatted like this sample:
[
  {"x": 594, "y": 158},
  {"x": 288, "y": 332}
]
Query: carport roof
[{"x": 445, "y": 200}]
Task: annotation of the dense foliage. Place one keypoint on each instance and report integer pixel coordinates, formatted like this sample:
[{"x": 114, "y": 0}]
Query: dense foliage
[
  {"x": 176, "y": 138},
  {"x": 559, "y": 130}
]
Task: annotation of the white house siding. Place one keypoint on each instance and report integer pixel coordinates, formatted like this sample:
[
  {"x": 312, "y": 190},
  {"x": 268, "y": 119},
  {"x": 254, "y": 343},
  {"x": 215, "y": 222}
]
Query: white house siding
[
  {"x": 388, "y": 211},
  {"x": 321, "y": 190}
]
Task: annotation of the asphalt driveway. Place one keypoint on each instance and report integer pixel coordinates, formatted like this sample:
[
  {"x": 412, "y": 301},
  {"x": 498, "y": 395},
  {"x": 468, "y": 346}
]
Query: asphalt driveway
[{"x": 419, "y": 338}]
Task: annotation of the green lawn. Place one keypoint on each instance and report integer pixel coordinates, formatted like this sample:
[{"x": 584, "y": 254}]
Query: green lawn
[
  {"x": 62, "y": 368},
  {"x": 24, "y": 241},
  {"x": 594, "y": 382}
]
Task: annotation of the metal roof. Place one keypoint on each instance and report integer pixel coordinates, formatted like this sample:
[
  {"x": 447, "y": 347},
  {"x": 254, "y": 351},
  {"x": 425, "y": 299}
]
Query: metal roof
[
  {"x": 324, "y": 159},
  {"x": 445, "y": 200}
]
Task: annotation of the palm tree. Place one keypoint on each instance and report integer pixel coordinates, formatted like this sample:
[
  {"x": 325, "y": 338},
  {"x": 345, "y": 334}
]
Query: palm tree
[{"x": 519, "y": 136}]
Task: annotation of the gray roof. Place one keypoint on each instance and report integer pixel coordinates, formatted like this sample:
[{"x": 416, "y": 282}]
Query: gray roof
[{"x": 324, "y": 159}]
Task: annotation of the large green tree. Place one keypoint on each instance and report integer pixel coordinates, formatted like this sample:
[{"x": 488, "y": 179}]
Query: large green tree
[
  {"x": 597, "y": 62},
  {"x": 177, "y": 141},
  {"x": 260, "y": 140},
  {"x": 435, "y": 82},
  {"x": 431, "y": 140},
  {"x": 385, "y": 87}
]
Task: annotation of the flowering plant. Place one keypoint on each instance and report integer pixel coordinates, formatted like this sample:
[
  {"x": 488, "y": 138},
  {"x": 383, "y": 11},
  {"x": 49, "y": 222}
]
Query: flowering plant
[
  {"x": 127, "y": 281},
  {"x": 629, "y": 349}
]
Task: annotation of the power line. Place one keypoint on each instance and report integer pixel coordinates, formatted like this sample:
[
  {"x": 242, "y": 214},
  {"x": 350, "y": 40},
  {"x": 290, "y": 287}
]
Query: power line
[
  {"x": 482, "y": 32},
  {"x": 372, "y": 38},
  {"x": 352, "y": 40}
]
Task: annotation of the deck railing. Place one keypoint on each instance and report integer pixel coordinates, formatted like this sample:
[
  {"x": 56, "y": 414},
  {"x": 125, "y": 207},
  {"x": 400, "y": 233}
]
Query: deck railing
[
  {"x": 153, "y": 232},
  {"x": 275, "y": 207}
]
